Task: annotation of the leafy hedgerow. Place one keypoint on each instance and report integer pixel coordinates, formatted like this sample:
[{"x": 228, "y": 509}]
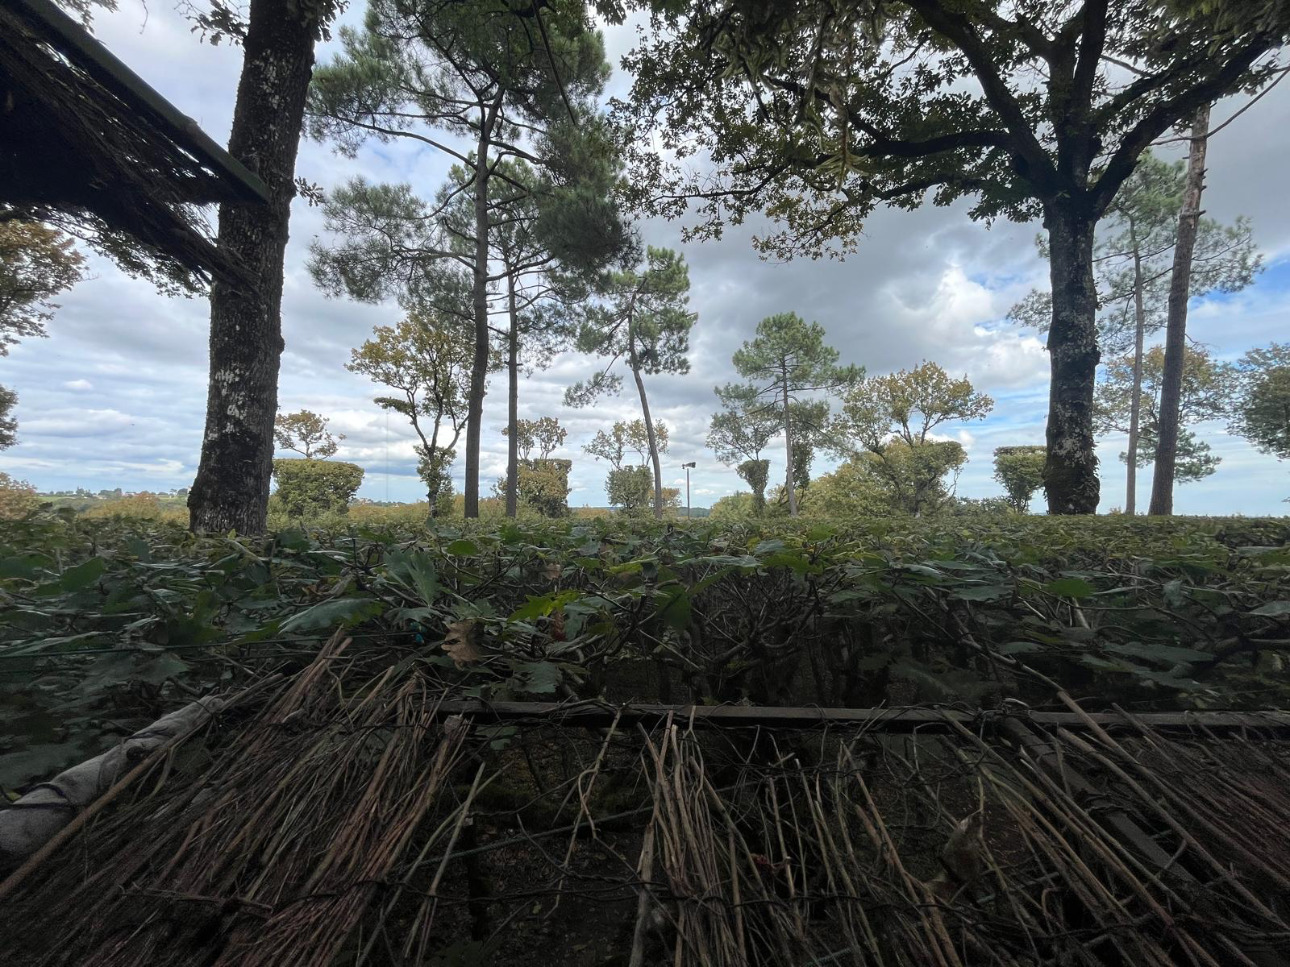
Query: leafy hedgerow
[{"x": 108, "y": 623}]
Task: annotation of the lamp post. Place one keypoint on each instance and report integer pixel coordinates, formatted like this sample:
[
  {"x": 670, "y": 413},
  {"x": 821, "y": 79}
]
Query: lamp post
[{"x": 687, "y": 467}]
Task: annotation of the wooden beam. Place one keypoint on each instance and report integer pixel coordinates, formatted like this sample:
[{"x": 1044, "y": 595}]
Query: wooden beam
[{"x": 897, "y": 719}]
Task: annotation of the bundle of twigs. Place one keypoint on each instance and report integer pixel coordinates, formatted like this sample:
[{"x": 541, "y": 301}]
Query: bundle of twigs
[
  {"x": 931, "y": 851},
  {"x": 276, "y": 853}
]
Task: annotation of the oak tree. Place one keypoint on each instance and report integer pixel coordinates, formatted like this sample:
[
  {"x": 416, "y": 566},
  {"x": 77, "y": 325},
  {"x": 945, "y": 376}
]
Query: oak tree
[
  {"x": 1262, "y": 410},
  {"x": 1133, "y": 259},
  {"x": 1020, "y": 470},
  {"x": 305, "y": 432},
  {"x": 426, "y": 359},
  {"x": 889, "y": 421},
  {"x": 231, "y": 489},
  {"x": 818, "y": 112}
]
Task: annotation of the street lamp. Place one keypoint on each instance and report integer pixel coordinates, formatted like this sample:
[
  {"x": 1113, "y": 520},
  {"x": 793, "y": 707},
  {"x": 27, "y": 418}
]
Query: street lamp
[{"x": 687, "y": 467}]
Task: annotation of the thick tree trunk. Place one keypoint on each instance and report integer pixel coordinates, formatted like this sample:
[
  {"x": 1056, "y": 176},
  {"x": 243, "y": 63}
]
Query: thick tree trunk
[
  {"x": 1135, "y": 406},
  {"x": 649, "y": 427},
  {"x": 231, "y": 491},
  {"x": 788, "y": 449},
  {"x": 1070, "y": 473},
  {"x": 479, "y": 300},
  {"x": 1162, "y": 482},
  {"x": 512, "y": 403}
]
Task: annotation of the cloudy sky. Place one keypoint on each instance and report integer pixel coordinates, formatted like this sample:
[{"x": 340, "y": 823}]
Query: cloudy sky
[{"x": 115, "y": 396}]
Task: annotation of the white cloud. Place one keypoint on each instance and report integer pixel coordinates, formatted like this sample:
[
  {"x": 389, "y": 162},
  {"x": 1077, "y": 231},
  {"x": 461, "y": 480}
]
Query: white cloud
[{"x": 79, "y": 385}]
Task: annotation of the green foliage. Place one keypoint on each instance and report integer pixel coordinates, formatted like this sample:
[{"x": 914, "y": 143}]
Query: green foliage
[
  {"x": 916, "y": 101},
  {"x": 543, "y": 485},
  {"x": 306, "y": 433},
  {"x": 538, "y": 438},
  {"x": 426, "y": 359},
  {"x": 8, "y": 425},
  {"x": 738, "y": 507},
  {"x": 756, "y": 473},
  {"x": 120, "y": 620},
  {"x": 1020, "y": 470},
  {"x": 1133, "y": 258},
  {"x": 887, "y": 422},
  {"x": 629, "y": 488},
  {"x": 308, "y": 488},
  {"x": 787, "y": 362},
  {"x": 17, "y": 498},
  {"x": 1262, "y": 410},
  {"x": 1208, "y": 388},
  {"x": 36, "y": 264},
  {"x": 625, "y": 439},
  {"x": 852, "y": 491},
  {"x": 643, "y": 318}
]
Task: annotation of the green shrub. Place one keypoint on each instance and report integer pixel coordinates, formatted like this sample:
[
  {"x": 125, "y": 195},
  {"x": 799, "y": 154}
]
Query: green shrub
[
  {"x": 142, "y": 507},
  {"x": 543, "y": 485},
  {"x": 312, "y": 488},
  {"x": 740, "y": 506},
  {"x": 629, "y": 488},
  {"x": 17, "y": 498}
]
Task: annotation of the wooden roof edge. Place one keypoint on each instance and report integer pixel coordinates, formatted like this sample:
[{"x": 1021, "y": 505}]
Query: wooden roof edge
[
  {"x": 79, "y": 46},
  {"x": 896, "y": 719}
]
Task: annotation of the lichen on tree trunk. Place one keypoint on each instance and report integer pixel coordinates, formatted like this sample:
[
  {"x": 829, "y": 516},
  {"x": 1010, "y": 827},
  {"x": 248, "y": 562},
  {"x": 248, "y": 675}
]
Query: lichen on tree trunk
[
  {"x": 231, "y": 490},
  {"x": 1070, "y": 473}
]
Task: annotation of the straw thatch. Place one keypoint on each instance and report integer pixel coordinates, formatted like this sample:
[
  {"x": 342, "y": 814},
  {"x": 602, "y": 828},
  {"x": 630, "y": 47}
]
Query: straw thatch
[
  {"x": 345, "y": 819},
  {"x": 99, "y": 153}
]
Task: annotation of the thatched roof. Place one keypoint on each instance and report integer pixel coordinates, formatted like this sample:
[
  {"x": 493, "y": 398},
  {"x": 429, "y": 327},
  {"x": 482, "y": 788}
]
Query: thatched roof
[
  {"x": 340, "y": 818},
  {"x": 84, "y": 138}
]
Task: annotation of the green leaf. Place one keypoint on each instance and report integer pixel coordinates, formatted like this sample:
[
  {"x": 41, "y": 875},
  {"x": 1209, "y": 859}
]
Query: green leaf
[
  {"x": 675, "y": 611},
  {"x": 538, "y": 677},
  {"x": 542, "y": 605},
  {"x": 1273, "y": 609},
  {"x": 1165, "y": 654},
  {"x": 22, "y": 566},
  {"x": 981, "y": 592},
  {"x": 1020, "y": 647},
  {"x": 462, "y": 548},
  {"x": 1069, "y": 588},
  {"x": 417, "y": 569},
  {"x": 82, "y": 575},
  {"x": 346, "y": 612}
]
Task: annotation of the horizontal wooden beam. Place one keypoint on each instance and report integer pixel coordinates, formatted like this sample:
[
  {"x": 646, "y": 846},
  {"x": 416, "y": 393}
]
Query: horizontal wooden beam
[{"x": 896, "y": 719}]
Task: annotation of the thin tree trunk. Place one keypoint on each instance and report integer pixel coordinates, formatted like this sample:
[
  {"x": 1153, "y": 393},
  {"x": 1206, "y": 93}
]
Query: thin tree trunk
[
  {"x": 788, "y": 448},
  {"x": 649, "y": 426},
  {"x": 512, "y": 402},
  {"x": 479, "y": 299},
  {"x": 1070, "y": 473},
  {"x": 231, "y": 490},
  {"x": 1135, "y": 406},
  {"x": 1162, "y": 482}
]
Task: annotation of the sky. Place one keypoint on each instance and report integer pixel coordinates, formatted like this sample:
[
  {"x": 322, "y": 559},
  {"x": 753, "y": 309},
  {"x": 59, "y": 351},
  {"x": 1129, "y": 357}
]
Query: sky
[{"x": 115, "y": 396}]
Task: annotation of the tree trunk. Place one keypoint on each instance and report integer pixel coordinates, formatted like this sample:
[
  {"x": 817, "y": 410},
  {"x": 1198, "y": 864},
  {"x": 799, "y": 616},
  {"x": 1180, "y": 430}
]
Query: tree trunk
[
  {"x": 231, "y": 490},
  {"x": 512, "y": 403},
  {"x": 479, "y": 299},
  {"x": 1135, "y": 406},
  {"x": 1070, "y": 473},
  {"x": 649, "y": 426},
  {"x": 1162, "y": 482},
  {"x": 788, "y": 448}
]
